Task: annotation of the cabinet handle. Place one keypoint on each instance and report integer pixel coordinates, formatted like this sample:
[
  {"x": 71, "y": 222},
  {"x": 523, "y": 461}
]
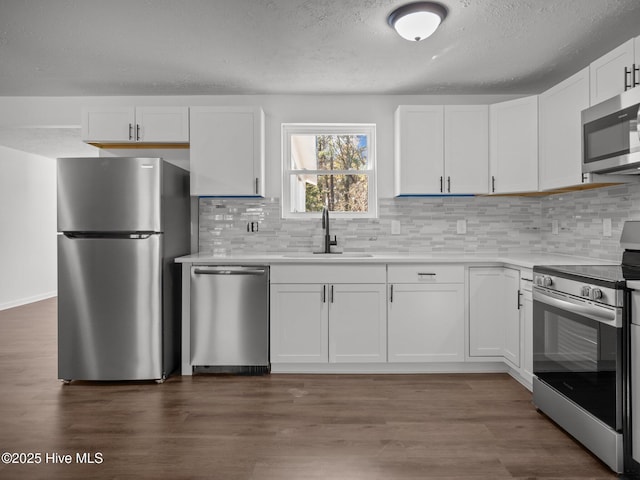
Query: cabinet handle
[
  {"x": 493, "y": 184},
  {"x": 421, "y": 274},
  {"x": 518, "y": 300},
  {"x": 448, "y": 184},
  {"x": 324, "y": 294},
  {"x": 441, "y": 185},
  {"x": 130, "y": 131},
  {"x": 627, "y": 73},
  {"x": 137, "y": 131},
  {"x": 257, "y": 186},
  {"x": 391, "y": 294},
  {"x": 331, "y": 293},
  {"x": 636, "y": 78}
]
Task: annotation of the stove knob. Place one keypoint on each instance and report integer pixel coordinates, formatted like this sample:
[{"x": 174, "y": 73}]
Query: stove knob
[
  {"x": 539, "y": 280},
  {"x": 596, "y": 294},
  {"x": 586, "y": 291},
  {"x": 547, "y": 282}
]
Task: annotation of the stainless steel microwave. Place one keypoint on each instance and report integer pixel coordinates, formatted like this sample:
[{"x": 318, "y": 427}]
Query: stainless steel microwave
[{"x": 611, "y": 135}]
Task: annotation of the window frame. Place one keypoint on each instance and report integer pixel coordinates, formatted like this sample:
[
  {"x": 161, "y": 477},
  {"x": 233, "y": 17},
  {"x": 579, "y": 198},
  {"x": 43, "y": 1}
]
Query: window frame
[{"x": 368, "y": 129}]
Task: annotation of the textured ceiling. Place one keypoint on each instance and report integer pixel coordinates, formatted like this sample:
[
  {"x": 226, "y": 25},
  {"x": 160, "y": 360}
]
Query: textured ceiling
[{"x": 207, "y": 47}]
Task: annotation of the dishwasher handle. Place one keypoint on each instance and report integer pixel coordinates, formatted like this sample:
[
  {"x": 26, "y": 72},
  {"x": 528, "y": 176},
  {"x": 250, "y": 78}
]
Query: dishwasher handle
[{"x": 228, "y": 271}]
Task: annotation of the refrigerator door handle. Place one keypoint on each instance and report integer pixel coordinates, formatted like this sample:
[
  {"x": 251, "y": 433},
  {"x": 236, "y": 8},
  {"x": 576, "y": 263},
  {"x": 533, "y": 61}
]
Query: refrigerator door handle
[{"x": 128, "y": 236}]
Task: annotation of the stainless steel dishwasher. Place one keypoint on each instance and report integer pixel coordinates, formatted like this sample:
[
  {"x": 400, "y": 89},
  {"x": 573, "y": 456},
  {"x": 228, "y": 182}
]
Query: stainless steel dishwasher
[{"x": 230, "y": 319}]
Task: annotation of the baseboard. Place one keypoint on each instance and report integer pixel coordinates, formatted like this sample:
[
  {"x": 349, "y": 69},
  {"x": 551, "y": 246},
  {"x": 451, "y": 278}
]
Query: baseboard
[
  {"x": 388, "y": 368},
  {"x": 26, "y": 300}
]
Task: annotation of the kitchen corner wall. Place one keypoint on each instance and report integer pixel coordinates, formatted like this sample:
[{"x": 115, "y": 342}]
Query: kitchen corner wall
[
  {"x": 580, "y": 220},
  {"x": 429, "y": 225}
]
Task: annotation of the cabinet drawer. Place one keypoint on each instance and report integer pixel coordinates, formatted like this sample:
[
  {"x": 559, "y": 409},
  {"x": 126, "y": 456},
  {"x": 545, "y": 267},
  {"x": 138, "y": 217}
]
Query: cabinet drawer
[
  {"x": 526, "y": 279},
  {"x": 307, "y": 273},
  {"x": 426, "y": 273}
]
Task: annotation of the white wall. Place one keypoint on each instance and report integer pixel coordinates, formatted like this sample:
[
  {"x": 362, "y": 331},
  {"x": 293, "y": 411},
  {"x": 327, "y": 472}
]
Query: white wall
[{"x": 28, "y": 267}]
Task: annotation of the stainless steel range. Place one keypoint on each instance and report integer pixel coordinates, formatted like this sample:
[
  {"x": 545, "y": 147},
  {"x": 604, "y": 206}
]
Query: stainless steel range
[{"x": 581, "y": 350}]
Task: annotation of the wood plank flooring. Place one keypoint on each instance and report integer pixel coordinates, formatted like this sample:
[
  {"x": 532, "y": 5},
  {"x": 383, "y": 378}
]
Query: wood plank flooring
[{"x": 276, "y": 427}]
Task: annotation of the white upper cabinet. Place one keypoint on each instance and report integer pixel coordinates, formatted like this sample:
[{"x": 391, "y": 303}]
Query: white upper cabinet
[
  {"x": 608, "y": 75},
  {"x": 227, "y": 151},
  {"x": 135, "y": 124},
  {"x": 466, "y": 148},
  {"x": 560, "y": 132},
  {"x": 419, "y": 149},
  {"x": 513, "y": 145},
  {"x": 441, "y": 149}
]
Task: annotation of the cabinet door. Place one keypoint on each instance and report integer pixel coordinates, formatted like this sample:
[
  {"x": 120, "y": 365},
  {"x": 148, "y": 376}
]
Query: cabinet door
[
  {"x": 419, "y": 149},
  {"x": 426, "y": 323},
  {"x": 357, "y": 323},
  {"x": 514, "y": 146},
  {"x": 560, "y": 131},
  {"x": 486, "y": 320},
  {"x": 607, "y": 72},
  {"x": 466, "y": 148},
  {"x": 108, "y": 124},
  {"x": 162, "y": 124},
  {"x": 526, "y": 312},
  {"x": 227, "y": 151},
  {"x": 299, "y": 323},
  {"x": 510, "y": 306}
]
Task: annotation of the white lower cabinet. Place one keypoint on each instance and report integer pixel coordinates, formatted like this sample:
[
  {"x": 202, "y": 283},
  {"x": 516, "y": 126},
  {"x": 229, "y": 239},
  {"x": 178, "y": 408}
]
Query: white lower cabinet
[
  {"x": 526, "y": 370},
  {"x": 511, "y": 311},
  {"x": 486, "y": 331},
  {"x": 494, "y": 313},
  {"x": 325, "y": 314},
  {"x": 426, "y": 314},
  {"x": 328, "y": 317},
  {"x": 299, "y": 323},
  {"x": 357, "y": 323}
]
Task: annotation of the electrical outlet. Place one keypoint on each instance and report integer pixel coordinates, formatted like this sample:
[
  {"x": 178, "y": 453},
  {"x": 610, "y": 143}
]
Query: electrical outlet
[
  {"x": 395, "y": 227},
  {"x": 554, "y": 227},
  {"x": 606, "y": 227},
  {"x": 462, "y": 227}
]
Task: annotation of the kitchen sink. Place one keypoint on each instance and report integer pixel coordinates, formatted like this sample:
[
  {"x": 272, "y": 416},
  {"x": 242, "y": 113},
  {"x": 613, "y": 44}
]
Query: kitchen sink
[{"x": 328, "y": 255}]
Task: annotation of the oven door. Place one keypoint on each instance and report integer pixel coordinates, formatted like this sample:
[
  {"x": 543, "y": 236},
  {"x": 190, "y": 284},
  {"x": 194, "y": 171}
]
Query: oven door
[{"x": 577, "y": 351}]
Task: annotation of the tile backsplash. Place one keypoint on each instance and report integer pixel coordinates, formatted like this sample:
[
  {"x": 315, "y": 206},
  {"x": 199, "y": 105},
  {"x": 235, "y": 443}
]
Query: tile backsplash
[
  {"x": 580, "y": 217},
  {"x": 429, "y": 225}
]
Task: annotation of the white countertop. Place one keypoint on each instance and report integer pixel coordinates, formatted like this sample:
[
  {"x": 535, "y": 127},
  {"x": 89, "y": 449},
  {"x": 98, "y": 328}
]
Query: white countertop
[{"x": 524, "y": 260}]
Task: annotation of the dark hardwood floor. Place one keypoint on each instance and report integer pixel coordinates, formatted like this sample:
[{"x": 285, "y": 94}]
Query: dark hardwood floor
[{"x": 390, "y": 427}]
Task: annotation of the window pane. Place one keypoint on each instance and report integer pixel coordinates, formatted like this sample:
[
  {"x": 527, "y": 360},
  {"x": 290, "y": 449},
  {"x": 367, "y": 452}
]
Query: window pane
[
  {"x": 329, "y": 152},
  {"x": 342, "y": 193}
]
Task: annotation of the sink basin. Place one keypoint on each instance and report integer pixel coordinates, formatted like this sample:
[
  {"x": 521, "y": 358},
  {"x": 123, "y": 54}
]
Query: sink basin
[{"x": 329, "y": 255}]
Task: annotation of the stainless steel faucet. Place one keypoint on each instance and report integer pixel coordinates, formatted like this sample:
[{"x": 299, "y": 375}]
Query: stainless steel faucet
[{"x": 328, "y": 243}]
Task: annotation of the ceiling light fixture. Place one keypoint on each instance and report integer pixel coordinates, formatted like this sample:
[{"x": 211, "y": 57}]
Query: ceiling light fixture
[{"x": 417, "y": 21}]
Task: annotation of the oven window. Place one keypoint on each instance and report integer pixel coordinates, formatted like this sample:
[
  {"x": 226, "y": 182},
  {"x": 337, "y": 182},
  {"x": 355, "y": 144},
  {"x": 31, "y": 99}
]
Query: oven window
[{"x": 579, "y": 357}]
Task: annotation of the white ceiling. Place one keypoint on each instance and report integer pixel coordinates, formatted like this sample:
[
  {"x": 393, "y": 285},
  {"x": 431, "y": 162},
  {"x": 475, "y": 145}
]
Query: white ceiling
[{"x": 209, "y": 47}]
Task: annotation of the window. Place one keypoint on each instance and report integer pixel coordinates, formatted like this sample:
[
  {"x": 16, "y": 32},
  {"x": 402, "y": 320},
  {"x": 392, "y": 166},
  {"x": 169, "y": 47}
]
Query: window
[{"x": 328, "y": 164}]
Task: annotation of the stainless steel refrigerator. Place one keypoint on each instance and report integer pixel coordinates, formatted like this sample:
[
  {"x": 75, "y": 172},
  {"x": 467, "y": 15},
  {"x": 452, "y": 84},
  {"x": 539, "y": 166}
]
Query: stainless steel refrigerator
[{"x": 121, "y": 222}]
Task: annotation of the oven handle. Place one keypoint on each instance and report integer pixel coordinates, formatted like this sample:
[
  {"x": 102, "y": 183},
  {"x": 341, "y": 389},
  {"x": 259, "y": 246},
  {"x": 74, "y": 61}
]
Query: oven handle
[{"x": 611, "y": 316}]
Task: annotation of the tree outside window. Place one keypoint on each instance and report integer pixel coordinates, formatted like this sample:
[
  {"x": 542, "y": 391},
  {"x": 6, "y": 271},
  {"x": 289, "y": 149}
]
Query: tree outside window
[{"x": 330, "y": 165}]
